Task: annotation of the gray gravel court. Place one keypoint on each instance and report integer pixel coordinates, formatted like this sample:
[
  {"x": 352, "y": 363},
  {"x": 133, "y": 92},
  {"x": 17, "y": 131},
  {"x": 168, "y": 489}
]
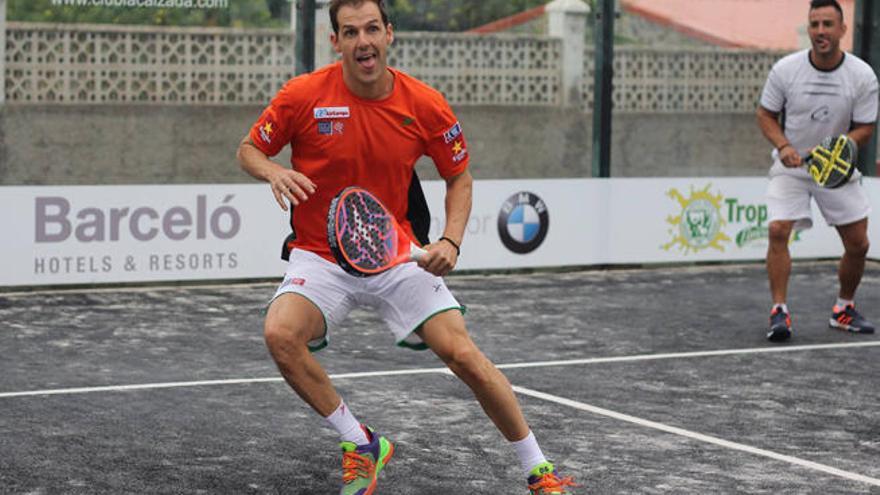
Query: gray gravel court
[{"x": 212, "y": 416}]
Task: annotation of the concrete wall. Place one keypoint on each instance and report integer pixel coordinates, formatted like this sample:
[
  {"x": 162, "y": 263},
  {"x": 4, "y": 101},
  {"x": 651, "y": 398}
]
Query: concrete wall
[
  {"x": 107, "y": 144},
  {"x": 104, "y": 144}
]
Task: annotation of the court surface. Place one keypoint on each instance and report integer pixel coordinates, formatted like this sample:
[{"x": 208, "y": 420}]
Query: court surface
[{"x": 641, "y": 381}]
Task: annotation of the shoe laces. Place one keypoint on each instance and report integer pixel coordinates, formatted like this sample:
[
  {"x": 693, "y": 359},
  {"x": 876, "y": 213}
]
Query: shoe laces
[
  {"x": 847, "y": 314},
  {"x": 355, "y": 466},
  {"x": 549, "y": 483},
  {"x": 779, "y": 313}
]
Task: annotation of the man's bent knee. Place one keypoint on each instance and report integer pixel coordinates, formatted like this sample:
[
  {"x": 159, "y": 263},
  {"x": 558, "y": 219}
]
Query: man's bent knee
[
  {"x": 857, "y": 249},
  {"x": 292, "y": 322},
  {"x": 470, "y": 364},
  {"x": 464, "y": 358},
  {"x": 282, "y": 336},
  {"x": 447, "y": 336},
  {"x": 464, "y": 355},
  {"x": 779, "y": 233}
]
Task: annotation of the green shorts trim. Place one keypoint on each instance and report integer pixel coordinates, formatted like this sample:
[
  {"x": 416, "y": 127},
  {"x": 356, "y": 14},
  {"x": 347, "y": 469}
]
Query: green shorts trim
[{"x": 421, "y": 346}]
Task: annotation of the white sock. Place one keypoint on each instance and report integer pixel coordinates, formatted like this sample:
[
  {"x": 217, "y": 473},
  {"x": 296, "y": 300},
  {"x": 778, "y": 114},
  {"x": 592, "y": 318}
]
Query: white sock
[
  {"x": 529, "y": 452},
  {"x": 780, "y": 305},
  {"x": 842, "y": 303},
  {"x": 348, "y": 427}
]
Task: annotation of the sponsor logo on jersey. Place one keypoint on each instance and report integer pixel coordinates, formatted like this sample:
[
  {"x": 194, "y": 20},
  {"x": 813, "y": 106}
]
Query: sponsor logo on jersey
[
  {"x": 453, "y": 132},
  {"x": 293, "y": 281},
  {"x": 330, "y": 127},
  {"x": 822, "y": 114},
  {"x": 458, "y": 152},
  {"x": 266, "y": 131},
  {"x": 332, "y": 113}
]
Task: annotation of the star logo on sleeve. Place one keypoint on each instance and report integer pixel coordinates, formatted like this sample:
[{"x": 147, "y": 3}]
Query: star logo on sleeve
[
  {"x": 266, "y": 131},
  {"x": 458, "y": 151}
]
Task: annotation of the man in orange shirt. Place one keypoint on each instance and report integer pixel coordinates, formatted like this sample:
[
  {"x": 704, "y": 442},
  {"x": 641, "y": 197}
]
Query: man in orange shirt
[{"x": 359, "y": 122}]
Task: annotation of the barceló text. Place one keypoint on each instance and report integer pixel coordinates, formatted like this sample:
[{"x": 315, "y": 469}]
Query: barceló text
[{"x": 55, "y": 222}]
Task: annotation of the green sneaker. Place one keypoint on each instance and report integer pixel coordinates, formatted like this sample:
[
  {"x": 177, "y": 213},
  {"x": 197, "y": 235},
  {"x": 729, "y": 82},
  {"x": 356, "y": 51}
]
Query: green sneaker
[
  {"x": 361, "y": 464},
  {"x": 543, "y": 480}
]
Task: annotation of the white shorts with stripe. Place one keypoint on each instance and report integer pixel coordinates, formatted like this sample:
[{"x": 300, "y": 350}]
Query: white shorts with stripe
[
  {"x": 788, "y": 198},
  {"x": 405, "y": 296}
]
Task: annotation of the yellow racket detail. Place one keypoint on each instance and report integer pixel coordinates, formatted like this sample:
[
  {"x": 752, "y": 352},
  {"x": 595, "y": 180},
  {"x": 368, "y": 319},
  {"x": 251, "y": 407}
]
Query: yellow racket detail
[{"x": 831, "y": 163}]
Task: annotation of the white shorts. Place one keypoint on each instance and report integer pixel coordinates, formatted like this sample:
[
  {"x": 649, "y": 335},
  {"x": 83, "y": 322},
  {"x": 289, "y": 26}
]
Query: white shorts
[
  {"x": 788, "y": 198},
  {"x": 405, "y": 296}
]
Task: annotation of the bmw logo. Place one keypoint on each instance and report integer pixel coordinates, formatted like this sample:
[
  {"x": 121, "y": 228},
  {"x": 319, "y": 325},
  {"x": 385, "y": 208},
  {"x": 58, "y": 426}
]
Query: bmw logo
[{"x": 523, "y": 222}]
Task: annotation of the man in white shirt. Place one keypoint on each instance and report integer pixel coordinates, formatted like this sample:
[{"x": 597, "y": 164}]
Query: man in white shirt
[{"x": 818, "y": 92}]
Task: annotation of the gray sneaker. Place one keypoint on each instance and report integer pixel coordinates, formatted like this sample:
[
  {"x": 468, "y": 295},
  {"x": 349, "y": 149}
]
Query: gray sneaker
[
  {"x": 780, "y": 326},
  {"x": 848, "y": 319}
]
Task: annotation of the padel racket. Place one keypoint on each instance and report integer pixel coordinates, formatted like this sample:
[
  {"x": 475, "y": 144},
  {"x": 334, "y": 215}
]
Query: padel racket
[
  {"x": 831, "y": 162},
  {"x": 364, "y": 237}
]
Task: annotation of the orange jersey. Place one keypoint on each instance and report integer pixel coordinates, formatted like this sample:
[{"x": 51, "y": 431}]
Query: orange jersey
[{"x": 339, "y": 140}]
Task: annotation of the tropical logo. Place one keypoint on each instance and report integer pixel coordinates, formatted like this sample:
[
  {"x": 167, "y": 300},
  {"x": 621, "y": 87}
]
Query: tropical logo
[
  {"x": 754, "y": 217},
  {"x": 705, "y": 217},
  {"x": 699, "y": 225}
]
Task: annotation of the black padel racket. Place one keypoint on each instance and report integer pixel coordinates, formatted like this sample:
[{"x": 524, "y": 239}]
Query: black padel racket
[
  {"x": 831, "y": 163},
  {"x": 364, "y": 237}
]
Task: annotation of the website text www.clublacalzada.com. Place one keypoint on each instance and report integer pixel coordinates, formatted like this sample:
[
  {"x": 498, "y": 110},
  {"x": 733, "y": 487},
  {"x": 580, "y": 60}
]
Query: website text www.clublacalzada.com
[{"x": 155, "y": 4}]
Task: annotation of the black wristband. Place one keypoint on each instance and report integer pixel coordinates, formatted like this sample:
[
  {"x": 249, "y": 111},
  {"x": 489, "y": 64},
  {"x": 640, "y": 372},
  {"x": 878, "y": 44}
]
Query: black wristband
[{"x": 450, "y": 241}]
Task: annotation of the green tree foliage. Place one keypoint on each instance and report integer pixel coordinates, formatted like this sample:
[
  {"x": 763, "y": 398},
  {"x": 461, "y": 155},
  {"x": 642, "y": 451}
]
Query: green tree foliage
[
  {"x": 239, "y": 13},
  {"x": 407, "y": 15},
  {"x": 452, "y": 15}
]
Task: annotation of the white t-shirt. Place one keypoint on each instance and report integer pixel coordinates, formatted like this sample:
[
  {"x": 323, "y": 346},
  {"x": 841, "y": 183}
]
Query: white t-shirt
[{"x": 818, "y": 103}]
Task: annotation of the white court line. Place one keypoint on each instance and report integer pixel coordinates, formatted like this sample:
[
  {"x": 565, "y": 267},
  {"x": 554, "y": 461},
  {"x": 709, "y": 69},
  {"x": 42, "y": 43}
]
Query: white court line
[
  {"x": 540, "y": 395},
  {"x": 204, "y": 383},
  {"x": 140, "y": 386},
  {"x": 417, "y": 371},
  {"x": 674, "y": 355},
  {"x": 698, "y": 436}
]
